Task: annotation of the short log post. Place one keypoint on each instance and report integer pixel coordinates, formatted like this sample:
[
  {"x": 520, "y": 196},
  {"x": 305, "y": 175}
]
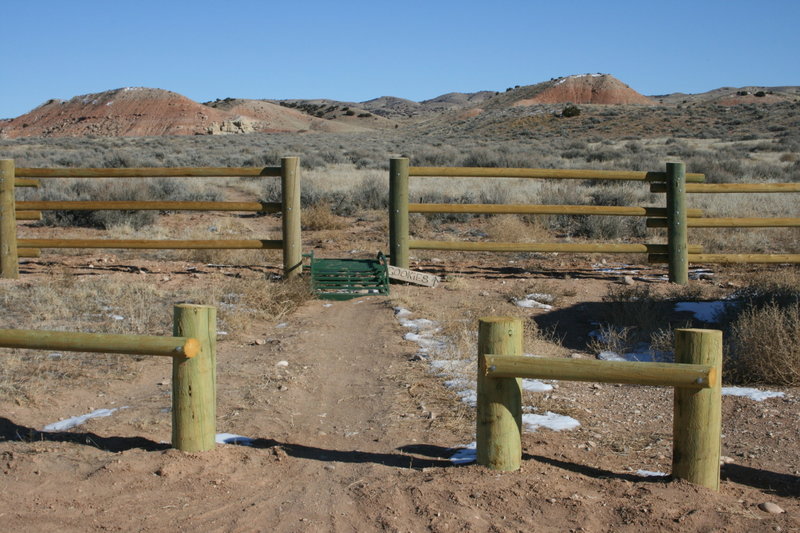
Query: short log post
[
  {"x": 677, "y": 232},
  {"x": 499, "y": 420},
  {"x": 398, "y": 212},
  {"x": 9, "y": 260},
  {"x": 194, "y": 380},
  {"x": 697, "y": 422},
  {"x": 290, "y": 202}
]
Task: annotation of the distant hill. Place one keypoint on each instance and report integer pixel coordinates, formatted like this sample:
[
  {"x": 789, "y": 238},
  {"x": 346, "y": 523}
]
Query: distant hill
[
  {"x": 580, "y": 89},
  {"x": 734, "y": 96},
  {"x": 138, "y": 111},
  {"x": 132, "y": 111}
]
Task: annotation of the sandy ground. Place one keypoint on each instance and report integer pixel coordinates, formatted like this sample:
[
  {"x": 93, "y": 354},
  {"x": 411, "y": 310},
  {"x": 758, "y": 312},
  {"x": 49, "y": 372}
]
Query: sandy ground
[
  {"x": 355, "y": 435},
  {"x": 353, "y": 432}
]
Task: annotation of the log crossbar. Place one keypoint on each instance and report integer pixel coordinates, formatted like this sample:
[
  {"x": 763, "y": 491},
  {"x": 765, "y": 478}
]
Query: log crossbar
[
  {"x": 32, "y": 339},
  {"x": 141, "y": 244},
  {"x": 556, "y": 247},
  {"x": 543, "y": 173},
  {"x": 635, "y": 373},
  {"x": 527, "y": 209},
  {"x": 713, "y": 188},
  {"x": 731, "y": 222},
  {"x": 161, "y": 172},
  {"x": 256, "y": 207}
]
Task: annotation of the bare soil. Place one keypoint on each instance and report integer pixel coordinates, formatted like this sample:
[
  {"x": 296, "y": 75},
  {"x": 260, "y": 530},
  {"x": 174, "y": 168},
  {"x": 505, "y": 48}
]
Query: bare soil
[{"x": 355, "y": 434}]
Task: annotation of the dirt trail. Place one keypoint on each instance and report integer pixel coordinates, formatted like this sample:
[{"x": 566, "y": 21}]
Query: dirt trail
[
  {"x": 325, "y": 427},
  {"x": 350, "y": 434}
]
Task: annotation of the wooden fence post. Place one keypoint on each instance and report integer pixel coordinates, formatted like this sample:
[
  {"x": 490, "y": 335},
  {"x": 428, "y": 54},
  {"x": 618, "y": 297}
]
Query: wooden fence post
[
  {"x": 697, "y": 422},
  {"x": 499, "y": 420},
  {"x": 677, "y": 232},
  {"x": 290, "y": 199},
  {"x": 194, "y": 381},
  {"x": 9, "y": 260},
  {"x": 398, "y": 212}
]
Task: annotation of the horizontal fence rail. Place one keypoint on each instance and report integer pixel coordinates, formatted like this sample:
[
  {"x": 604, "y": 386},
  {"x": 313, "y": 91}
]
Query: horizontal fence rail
[
  {"x": 696, "y": 377},
  {"x": 745, "y": 258},
  {"x": 528, "y": 209},
  {"x": 146, "y": 172},
  {"x": 193, "y": 351},
  {"x": 714, "y": 188},
  {"x": 556, "y": 247},
  {"x": 31, "y": 339},
  {"x": 11, "y": 248},
  {"x": 49, "y": 205},
  {"x": 732, "y": 222},
  {"x": 141, "y": 244},
  {"x": 655, "y": 374},
  {"x": 544, "y": 173}
]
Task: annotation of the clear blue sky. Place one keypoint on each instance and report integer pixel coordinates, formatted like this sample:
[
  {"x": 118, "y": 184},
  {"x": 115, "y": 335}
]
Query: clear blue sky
[{"x": 358, "y": 50}]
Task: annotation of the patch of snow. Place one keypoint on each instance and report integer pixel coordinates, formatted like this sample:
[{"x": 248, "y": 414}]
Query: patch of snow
[
  {"x": 534, "y": 385},
  {"x": 222, "y": 333},
  {"x": 753, "y": 394},
  {"x": 536, "y": 301},
  {"x": 465, "y": 454},
  {"x": 282, "y": 325},
  {"x": 230, "y": 438},
  {"x": 549, "y": 420},
  {"x": 650, "y": 473},
  {"x": 610, "y": 356},
  {"x": 703, "y": 311},
  {"x": 116, "y": 317},
  {"x": 327, "y": 305},
  {"x": 75, "y": 421}
]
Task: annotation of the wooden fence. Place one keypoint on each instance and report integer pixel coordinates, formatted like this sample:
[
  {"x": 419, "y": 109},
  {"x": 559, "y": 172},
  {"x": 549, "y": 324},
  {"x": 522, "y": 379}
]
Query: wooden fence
[
  {"x": 674, "y": 216},
  {"x": 11, "y": 248},
  {"x": 194, "y": 376},
  {"x": 733, "y": 222},
  {"x": 696, "y": 377}
]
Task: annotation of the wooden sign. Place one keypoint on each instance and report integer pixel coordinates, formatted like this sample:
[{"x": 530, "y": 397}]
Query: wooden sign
[{"x": 420, "y": 278}]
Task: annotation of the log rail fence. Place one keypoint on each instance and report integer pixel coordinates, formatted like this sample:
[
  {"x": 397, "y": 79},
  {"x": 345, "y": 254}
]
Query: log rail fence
[
  {"x": 11, "y": 248},
  {"x": 193, "y": 351},
  {"x": 676, "y": 217},
  {"x": 696, "y": 377}
]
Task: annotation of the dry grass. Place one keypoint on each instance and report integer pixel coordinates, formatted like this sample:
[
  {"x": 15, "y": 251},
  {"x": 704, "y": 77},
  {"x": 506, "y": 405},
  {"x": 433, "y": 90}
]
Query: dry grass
[{"x": 105, "y": 305}]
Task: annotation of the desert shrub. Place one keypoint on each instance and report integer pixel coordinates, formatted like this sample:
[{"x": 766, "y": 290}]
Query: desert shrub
[
  {"x": 761, "y": 330},
  {"x": 117, "y": 190},
  {"x": 320, "y": 217},
  {"x": 763, "y": 346},
  {"x": 570, "y": 111}
]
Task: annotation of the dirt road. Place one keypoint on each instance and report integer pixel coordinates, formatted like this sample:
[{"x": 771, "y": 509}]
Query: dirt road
[{"x": 348, "y": 434}]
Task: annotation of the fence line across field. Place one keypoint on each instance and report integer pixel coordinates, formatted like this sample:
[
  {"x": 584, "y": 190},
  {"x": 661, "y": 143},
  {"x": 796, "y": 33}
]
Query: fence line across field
[
  {"x": 12, "y": 248},
  {"x": 674, "y": 216},
  {"x": 193, "y": 351},
  {"x": 696, "y": 377}
]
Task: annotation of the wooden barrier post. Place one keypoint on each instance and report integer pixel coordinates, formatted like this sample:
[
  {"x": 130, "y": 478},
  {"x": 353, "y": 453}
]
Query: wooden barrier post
[
  {"x": 290, "y": 198},
  {"x": 194, "y": 380},
  {"x": 697, "y": 422},
  {"x": 677, "y": 233},
  {"x": 398, "y": 212},
  {"x": 499, "y": 421},
  {"x": 9, "y": 261}
]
